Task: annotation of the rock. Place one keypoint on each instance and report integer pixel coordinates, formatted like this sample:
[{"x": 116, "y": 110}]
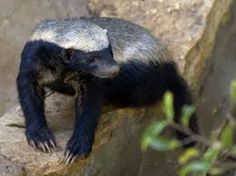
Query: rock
[
  {"x": 18, "y": 18},
  {"x": 10, "y": 168},
  {"x": 218, "y": 74},
  {"x": 116, "y": 149},
  {"x": 183, "y": 26}
]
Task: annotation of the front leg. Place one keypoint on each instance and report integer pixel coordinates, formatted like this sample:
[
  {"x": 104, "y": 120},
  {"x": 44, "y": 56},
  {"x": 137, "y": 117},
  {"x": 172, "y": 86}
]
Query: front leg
[
  {"x": 31, "y": 98},
  {"x": 88, "y": 108}
]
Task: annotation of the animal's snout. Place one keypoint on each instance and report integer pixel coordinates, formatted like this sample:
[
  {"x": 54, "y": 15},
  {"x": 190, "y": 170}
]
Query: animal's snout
[
  {"x": 107, "y": 72},
  {"x": 114, "y": 70}
]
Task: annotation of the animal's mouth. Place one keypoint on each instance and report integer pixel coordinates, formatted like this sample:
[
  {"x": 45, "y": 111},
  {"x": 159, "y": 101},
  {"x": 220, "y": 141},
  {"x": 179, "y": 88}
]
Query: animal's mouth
[{"x": 109, "y": 72}]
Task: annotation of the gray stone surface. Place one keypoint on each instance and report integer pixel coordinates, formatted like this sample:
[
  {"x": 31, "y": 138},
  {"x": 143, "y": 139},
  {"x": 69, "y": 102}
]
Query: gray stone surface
[
  {"x": 10, "y": 168},
  {"x": 116, "y": 150}
]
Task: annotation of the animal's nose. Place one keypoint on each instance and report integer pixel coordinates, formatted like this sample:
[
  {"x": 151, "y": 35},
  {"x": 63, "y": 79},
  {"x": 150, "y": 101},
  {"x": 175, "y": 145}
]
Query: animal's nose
[{"x": 114, "y": 70}]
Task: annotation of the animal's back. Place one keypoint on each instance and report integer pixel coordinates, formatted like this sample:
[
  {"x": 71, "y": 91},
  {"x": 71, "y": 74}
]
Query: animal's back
[
  {"x": 71, "y": 33},
  {"x": 131, "y": 41}
]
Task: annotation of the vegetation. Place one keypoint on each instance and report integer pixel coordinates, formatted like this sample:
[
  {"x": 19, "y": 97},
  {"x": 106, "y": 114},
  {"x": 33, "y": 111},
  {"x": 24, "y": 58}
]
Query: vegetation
[{"x": 219, "y": 153}]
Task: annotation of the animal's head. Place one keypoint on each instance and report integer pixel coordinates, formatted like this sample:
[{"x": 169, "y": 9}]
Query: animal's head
[
  {"x": 85, "y": 45},
  {"x": 97, "y": 63}
]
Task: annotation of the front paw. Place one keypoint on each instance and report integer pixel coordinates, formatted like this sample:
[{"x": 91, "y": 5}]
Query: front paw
[
  {"x": 41, "y": 139},
  {"x": 78, "y": 147}
]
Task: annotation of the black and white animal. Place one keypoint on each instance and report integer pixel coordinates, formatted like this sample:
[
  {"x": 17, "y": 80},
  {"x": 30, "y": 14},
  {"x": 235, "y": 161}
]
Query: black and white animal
[{"x": 106, "y": 60}]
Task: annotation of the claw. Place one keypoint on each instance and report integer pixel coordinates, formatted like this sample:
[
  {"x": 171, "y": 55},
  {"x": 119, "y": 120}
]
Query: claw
[
  {"x": 32, "y": 143},
  {"x": 67, "y": 153},
  {"x": 47, "y": 147},
  {"x": 78, "y": 147},
  {"x": 53, "y": 144},
  {"x": 42, "y": 147},
  {"x": 75, "y": 158},
  {"x": 68, "y": 160}
]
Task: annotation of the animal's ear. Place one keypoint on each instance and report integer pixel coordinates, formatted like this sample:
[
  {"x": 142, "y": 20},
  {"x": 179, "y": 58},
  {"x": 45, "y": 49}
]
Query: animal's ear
[{"x": 66, "y": 54}]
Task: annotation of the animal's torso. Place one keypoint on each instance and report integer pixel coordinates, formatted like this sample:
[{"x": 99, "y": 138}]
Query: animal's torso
[
  {"x": 138, "y": 53},
  {"x": 118, "y": 62}
]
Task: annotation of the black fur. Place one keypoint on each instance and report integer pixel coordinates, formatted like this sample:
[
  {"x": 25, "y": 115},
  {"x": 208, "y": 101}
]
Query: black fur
[
  {"x": 136, "y": 85},
  {"x": 62, "y": 88}
]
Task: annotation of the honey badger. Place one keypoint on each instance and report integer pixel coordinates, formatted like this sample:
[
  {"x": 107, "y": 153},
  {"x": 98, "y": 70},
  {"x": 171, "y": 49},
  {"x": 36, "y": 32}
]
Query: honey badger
[{"x": 107, "y": 60}]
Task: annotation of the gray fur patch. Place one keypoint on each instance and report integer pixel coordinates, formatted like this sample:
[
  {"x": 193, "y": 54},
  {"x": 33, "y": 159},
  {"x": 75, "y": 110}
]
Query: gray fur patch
[
  {"x": 132, "y": 42},
  {"x": 72, "y": 33},
  {"x": 128, "y": 40}
]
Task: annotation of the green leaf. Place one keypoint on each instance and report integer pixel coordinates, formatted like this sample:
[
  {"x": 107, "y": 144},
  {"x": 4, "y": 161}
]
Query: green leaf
[
  {"x": 212, "y": 153},
  {"x": 151, "y": 132},
  {"x": 145, "y": 142},
  {"x": 156, "y": 127},
  {"x": 162, "y": 144},
  {"x": 195, "y": 167},
  {"x": 227, "y": 135},
  {"x": 188, "y": 154},
  {"x": 174, "y": 144},
  {"x": 187, "y": 112},
  {"x": 159, "y": 144},
  {"x": 167, "y": 106},
  {"x": 216, "y": 171},
  {"x": 233, "y": 90}
]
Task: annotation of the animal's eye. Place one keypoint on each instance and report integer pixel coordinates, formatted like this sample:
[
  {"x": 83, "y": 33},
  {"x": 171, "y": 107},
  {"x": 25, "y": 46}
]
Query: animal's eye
[
  {"x": 91, "y": 59},
  {"x": 69, "y": 53},
  {"x": 66, "y": 55}
]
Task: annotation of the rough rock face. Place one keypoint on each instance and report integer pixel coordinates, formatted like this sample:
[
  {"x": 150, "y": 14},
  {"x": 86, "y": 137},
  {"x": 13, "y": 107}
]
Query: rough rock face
[
  {"x": 18, "y": 17},
  {"x": 116, "y": 150},
  {"x": 187, "y": 27}
]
